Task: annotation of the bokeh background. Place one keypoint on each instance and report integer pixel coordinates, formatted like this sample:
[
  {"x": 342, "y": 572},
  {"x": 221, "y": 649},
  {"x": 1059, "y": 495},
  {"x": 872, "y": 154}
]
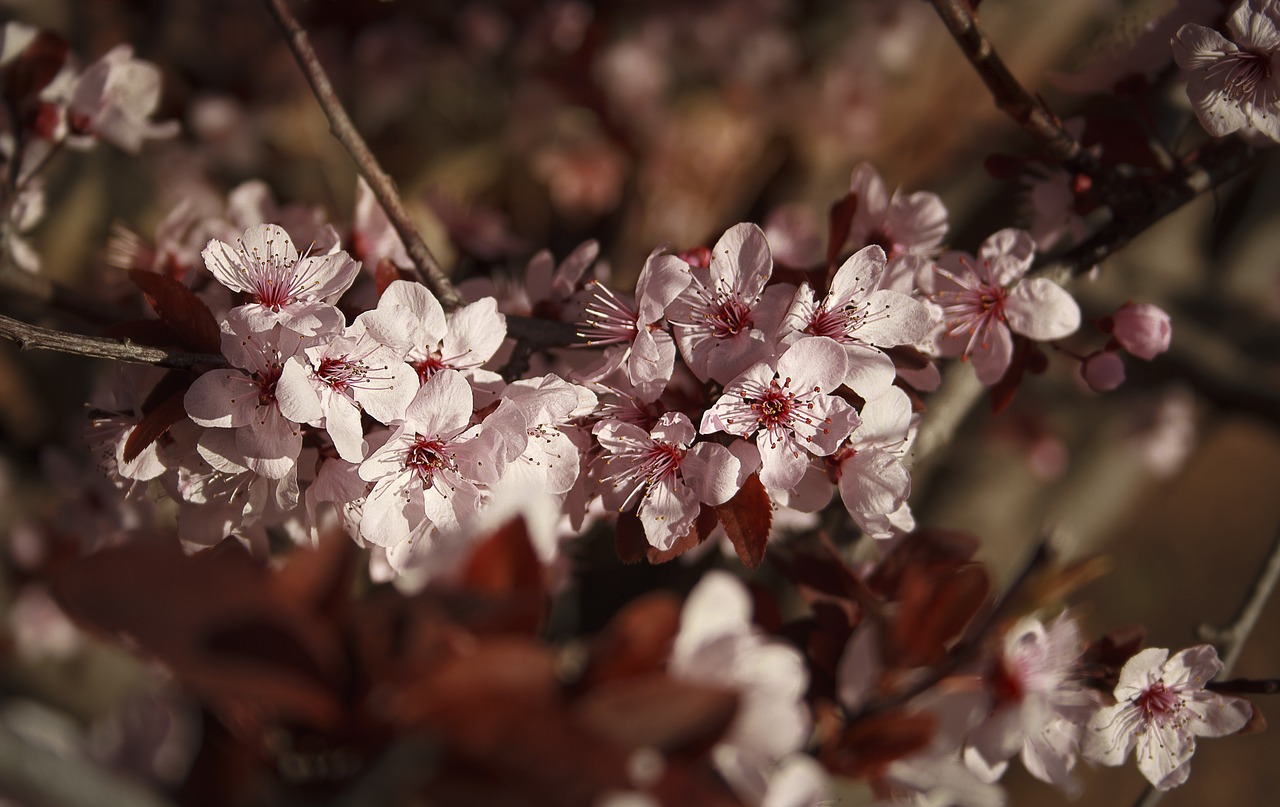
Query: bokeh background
[{"x": 513, "y": 126}]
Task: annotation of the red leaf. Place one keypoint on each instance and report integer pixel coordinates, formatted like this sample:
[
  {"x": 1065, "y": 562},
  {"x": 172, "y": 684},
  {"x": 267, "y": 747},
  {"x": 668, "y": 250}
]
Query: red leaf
[
  {"x": 873, "y": 742},
  {"x": 933, "y": 610},
  {"x": 505, "y": 562},
  {"x": 629, "y": 541},
  {"x": 386, "y": 273},
  {"x": 702, "y": 527},
  {"x": 746, "y": 519},
  {"x": 839, "y": 221},
  {"x": 654, "y": 711},
  {"x": 181, "y": 309},
  {"x": 637, "y": 640},
  {"x": 155, "y": 424}
]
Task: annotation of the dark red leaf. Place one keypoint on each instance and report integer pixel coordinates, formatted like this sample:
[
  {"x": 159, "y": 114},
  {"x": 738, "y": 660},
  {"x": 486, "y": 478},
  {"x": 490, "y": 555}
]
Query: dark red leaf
[
  {"x": 839, "y": 220},
  {"x": 636, "y": 641},
  {"x": 37, "y": 65},
  {"x": 155, "y": 424},
  {"x": 181, "y": 309},
  {"x": 871, "y": 743},
  {"x": 629, "y": 540},
  {"x": 386, "y": 273},
  {"x": 505, "y": 562},
  {"x": 702, "y": 527},
  {"x": 746, "y": 519},
  {"x": 654, "y": 711},
  {"x": 933, "y": 610}
]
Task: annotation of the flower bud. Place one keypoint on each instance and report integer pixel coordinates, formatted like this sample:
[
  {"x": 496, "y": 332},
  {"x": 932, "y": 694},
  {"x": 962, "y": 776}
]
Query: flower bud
[
  {"x": 1142, "y": 329},
  {"x": 1102, "y": 371}
]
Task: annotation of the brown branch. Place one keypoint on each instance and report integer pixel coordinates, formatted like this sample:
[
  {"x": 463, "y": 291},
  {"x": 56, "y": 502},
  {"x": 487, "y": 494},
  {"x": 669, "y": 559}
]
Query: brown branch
[
  {"x": 33, "y": 337},
  {"x": 425, "y": 264},
  {"x": 1028, "y": 111},
  {"x": 1230, "y": 639}
]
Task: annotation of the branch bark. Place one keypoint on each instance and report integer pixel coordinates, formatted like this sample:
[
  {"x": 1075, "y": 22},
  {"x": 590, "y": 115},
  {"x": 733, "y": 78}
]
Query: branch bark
[
  {"x": 425, "y": 265},
  {"x": 34, "y": 337},
  {"x": 1027, "y": 110}
]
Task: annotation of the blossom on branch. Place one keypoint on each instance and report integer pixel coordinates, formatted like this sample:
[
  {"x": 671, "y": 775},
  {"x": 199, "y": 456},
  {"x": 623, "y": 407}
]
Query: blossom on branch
[
  {"x": 1161, "y": 707},
  {"x": 1235, "y": 83}
]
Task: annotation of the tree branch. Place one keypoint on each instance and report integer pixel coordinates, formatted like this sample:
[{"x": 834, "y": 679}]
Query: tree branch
[
  {"x": 1028, "y": 111},
  {"x": 33, "y": 337},
  {"x": 1231, "y": 639},
  {"x": 425, "y": 264}
]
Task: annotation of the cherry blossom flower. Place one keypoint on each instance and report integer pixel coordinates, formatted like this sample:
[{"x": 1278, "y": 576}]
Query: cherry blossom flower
[
  {"x": 1041, "y": 704},
  {"x": 863, "y": 318},
  {"x": 913, "y": 223},
  {"x": 789, "y": 409},
  {"x": 874, "y": 483},
  {"x": 284, "y": 288},
  {"x": 464, "y": 340},
  {"x": 340, "y": 378},
  {"x": 114, "y": 98},
  {"x": 642, "y": 348},
  {"x": 718, "y": 644},
  {"x": 725, "y": 319},
  {"x": 1161, "y": 707},
  {"x": 247, "y": 398},
  {"x": 983, "y": 299},
  {"x": 430, "y": 468},
  {"x": 669, "y": 478},
  {"x": 1142, "y": 329},
  {"x": 1235, "y": 83}
]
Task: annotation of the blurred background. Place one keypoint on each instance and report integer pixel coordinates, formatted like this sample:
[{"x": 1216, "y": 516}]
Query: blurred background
[{"x": 514, "y": 126}]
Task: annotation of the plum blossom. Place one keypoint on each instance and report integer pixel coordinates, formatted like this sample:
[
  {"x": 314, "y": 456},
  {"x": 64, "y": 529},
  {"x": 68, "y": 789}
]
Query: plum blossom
[
  {"x": 430, "y": 469},
  {"x": 284, "y": 289},
  {"x": 726, "y": 318},
  {"x": 1161, "y": 707},
  {"x": 114, "y": 98},
  {"x": 670, "y": 477},
  {"x": 248, "y": 397},
  {"x": 1142, "y": 329},
  {"x": 862, "y": 317},
  {"x": 1235, "y": 83},
  {"x": 642, "y": 347},
  {"x": 1041, "y": 704},
  {"x": 900, "y": 224},
  {"x": 718, "y": 644},
  {"x": 983, "y": 300},
  {"x": 788, "y": 408},
  {"x": 464, "y": 340},
  {"x": 340, "y": 378},
  {"x": 874, "y": 483}
]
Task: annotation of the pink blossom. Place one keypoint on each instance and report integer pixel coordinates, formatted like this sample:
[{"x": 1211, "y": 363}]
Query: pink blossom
[
  {"x": 862, "y": 317},
  {"x": 1161, "y": 707},
  {"x": 283, "y": 288},
  {"x": 726, "y": 318},
  {"x": 718, "y": 644},
  {"x": 873, "y": 480},
  {"x": 1102, "y": 371},
  {"x": 114, "y": 98},
  {"x": 669, "y": 476},
  {"x": 248, "y": 398},
  {"x": 983, "y": 299},
  {"x": 642, "y": 347},
  {"x": 912, "y": 223},
  {"x": 430, "y": 469},
  {"x": 1041, "y": 704},
  {"x": 1235, "y": 83},
  {"x": 1142, "y": 329},
  {"x": 342, "y": 377},
  {"x": 464, "y": 340},
  {"x": 789, "y": 409}
]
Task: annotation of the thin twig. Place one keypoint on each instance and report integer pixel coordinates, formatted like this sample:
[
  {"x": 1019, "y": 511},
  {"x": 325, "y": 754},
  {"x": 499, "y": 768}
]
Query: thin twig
[
  {"x": 34, "y": 337},
  {"x": 1010, "y": 96},
  {"x": 1231, "y": 639},
  {"x": 425, "y": 264}
]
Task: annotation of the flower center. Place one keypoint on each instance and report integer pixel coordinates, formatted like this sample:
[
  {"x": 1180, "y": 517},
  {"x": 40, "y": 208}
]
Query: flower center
[
  {"x": 341, "y": 373},
  {"x": 1159, "y": 703},
  {"x": 426, "y": 457},
  {"x": 662, "y": 461},
  {"x": 266, "y": 380},
  {"x": 1248, "y": 74},
  {"x": 729, "y": 318}
]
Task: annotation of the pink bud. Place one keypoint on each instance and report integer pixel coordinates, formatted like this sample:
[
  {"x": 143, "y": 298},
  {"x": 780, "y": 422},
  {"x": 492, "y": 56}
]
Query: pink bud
[
  {"x": 1142, "y": 329},
  {"x": 1103, "y": 371}
]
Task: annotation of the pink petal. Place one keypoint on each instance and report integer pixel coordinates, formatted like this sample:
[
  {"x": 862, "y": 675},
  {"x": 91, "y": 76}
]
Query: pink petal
[{"x": 1042, "y": 310}]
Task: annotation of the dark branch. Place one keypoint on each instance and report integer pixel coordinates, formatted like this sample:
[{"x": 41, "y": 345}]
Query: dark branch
[
  {"x": 33, "y": 337},
  {"x": 425, "y": 264}
]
